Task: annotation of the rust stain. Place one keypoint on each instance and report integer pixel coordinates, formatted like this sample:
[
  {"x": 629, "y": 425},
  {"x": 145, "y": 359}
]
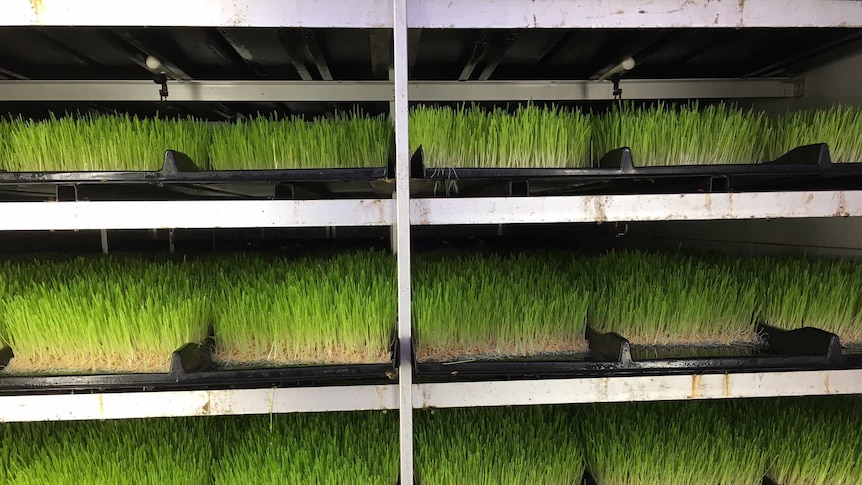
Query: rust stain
[
  {"x": 205, "y": 409},
  {"x": 599, "y": 208},
  {"x": 809, "y": 198},
  {"x": 727, "y": 385},
  {"x": 826, "y": 384},
  {"x": 695, "y": 385},
  {"x": 101, "y": 407},
  {"x": 708, "y": 203},
  {"x": 842, "y": 206}
]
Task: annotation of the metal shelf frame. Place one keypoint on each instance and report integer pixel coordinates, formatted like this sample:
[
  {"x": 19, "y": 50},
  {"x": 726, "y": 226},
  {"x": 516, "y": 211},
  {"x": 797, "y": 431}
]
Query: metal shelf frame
[
  {"x": 435, "y": 14},
  {"x": 402, "y": 212}
]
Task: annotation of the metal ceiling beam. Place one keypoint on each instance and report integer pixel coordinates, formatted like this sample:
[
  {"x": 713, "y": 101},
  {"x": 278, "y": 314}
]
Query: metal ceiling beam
[
  {"x": 496, "y": 52},
  {"x": 480, "y": 50},
  {"x": 428, "y": 91},
  {"x": 414, "y": 38},
  {"x": 479, "y": 14},
  {"x": 520, "y": 14},
  {"x": 292, "y": 46},
  {"x": 315, "y": 53},
  {"x": 168, "y": 66},
  {"x": 239, "y": 51},
  {"x": 380, "y": 47}
]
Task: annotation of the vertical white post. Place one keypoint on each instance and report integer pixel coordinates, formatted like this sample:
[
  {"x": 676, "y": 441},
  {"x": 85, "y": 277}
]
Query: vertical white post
[{"x": 402, "y": 232}]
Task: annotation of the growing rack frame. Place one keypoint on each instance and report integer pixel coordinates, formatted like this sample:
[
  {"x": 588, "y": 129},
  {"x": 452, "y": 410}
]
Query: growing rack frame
[{"x": 397, "y": 16}]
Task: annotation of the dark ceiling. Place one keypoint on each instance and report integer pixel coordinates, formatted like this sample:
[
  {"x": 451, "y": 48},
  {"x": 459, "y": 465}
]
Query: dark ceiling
[{"x": 327, "y": 54}]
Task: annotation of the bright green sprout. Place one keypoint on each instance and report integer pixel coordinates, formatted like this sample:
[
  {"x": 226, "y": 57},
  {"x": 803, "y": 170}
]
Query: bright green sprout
[
  {"x": 658, "y": 300},
  {"x": 499, "y": 446},
  {"x": 816, "y": 441},
  {"x": 498, "y": 306},
  {"x": 322, "y": 310},
  {"x": 96, "y": 143},
  {"x": 821, "y": 293},
  {"x": 840, "y": 127},
  {"x": 100, "y": 314},
  {"x": 349, "y": 140},
  {"x": 357, "y": 448},
  {"x": 532, "y": 136},
  {"x": 665, "y": 135},
  {"x": 126, "y": 452},
  {"x": 675, "y": 443}
]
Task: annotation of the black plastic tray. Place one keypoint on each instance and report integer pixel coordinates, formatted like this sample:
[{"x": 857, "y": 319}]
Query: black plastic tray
[
  {"x": 192, "y": 368},
  {"x": 610, "y": 354},
  {"x": 178, "y": 167},
  {"x": 179, "y": 177},
  {"x": 616, "y": 172}
]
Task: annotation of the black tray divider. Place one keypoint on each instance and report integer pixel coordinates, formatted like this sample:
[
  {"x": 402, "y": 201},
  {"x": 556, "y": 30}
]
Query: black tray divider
[
  {"x": 417, "y": 164},
  {"x": 812, "y": 155},
  {"x": 620, "y": 159},
  {"x": 6, "y": 355},
  {"x": 800, "y": 342},
  {"x": 588, "y": 478},
  {"x": 768, "y": 481},
  {"x": 193, "y": 357},
  {"x": 176, "y": 163},
  {"x": 609, "y": 346}
]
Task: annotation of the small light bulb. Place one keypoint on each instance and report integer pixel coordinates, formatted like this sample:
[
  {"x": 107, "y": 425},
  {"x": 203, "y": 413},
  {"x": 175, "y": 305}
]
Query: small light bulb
[{"x": 153, "y": 63}]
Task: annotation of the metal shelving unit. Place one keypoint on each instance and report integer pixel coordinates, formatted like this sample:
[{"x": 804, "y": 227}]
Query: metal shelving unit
[{"x": 402, "y": 212}]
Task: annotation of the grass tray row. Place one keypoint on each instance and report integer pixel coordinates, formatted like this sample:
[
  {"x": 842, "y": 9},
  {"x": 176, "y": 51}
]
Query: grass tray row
[
  {"x": 497, "y": 306},
  {"x": 125, "y": 314},
  {"x": 800, "y": 441},
  {"x": 129, "y": 314},
  {"x": 528, "y": 137}
]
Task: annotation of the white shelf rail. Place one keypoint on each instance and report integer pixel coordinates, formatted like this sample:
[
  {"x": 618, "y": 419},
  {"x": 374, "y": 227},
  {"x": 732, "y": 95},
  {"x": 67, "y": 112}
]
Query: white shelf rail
[
  {"x": 426, "y": 91},
  {"x": 637, "y": 388},
  {"x": 484, "y": 14},
  {"x": 130, "y": 405},
  {"x": 32, "y": 216},
  {"x": 631, "y": 208}
]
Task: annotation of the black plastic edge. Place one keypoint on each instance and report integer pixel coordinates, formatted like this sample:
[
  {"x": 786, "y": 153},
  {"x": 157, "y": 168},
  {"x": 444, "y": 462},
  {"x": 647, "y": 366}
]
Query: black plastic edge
[
  {"x": 588, "y": 478},
  {"x": 768, "y": 481},
  {"x": 608, "y": 346},
  {"x": 193, "y": 357},
  {"x": 417, "y": 164},
  {"x": 816, "y": 154},
  {"x": 6, "y": 355},
  {"x": 177, "y": 162},
  {"x": 619, "y": 159},
  {"x": 805, "y": 341}
]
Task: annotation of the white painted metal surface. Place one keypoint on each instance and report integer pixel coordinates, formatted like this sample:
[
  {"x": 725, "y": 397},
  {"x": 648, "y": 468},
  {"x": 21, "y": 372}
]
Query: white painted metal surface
[
  {"x": 512, "y": 14},
  {"x": 641, "y": 388},
  {"x": 24, "y": 216},
  {"x": 215, "y": 13},
  {"x": 400, "y": 116},
  {"x": 438, "y": 13},
  {"x": 265, "y": 91},
  {"x": 129, "y": 405},
  {"x": 629, "y": 208}
]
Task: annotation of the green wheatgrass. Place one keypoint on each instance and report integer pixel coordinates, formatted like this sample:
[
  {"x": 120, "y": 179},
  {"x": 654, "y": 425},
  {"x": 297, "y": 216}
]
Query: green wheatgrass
[
  {"x": 815, "y": 441},
  {"x": 529, "y": 137},
  {"x": 108, "y": 314},
  {"x": 499, "y": 306},
  {"x": 479, "y": 446},
  {"x": 840, "y": 127},
  {"x": 656, "y": 299},
  {"x": 686, "y": 135},
  {"x": 151, "y": 451},
  {"x": 675, "y": 443},
  {"x": 349, "y": 140},
  {"x": 821, "y": 293},
  {"x": 97, "y": 143},
  {"x": 356, "y": 448},
  {"x": 318, "y": 309}
]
